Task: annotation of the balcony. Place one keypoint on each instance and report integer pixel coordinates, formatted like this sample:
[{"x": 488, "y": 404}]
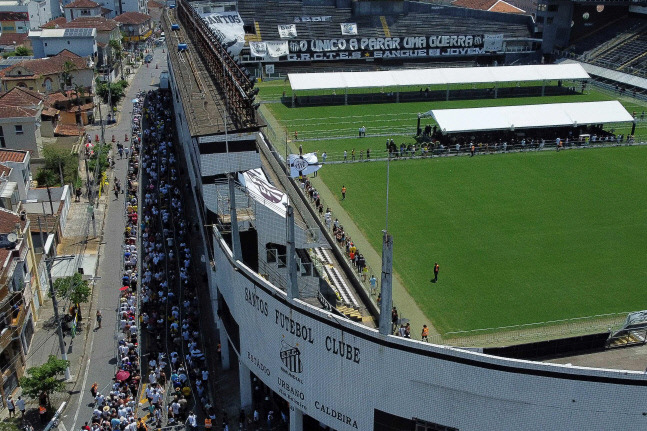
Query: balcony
[
  {"x": 5, "y": 338},
  {"x": 18, "y": 320}
]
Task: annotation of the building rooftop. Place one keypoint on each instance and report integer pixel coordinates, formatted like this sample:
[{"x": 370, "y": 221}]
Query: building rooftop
[
  {"x": 55, "y": 23},
  {"x": 132, "y": 18},
  {"x": 98, "y": 22},
  {"x": 4, "y": 170},
  {"x": 7, "y": 155},
  {"x": 17, "y": 39},
  {"x": 43, "y": 66},
  {"x": 155, "y": 4},
  {"x": 86, "y": 4},
  {"x": 9, "y": 220},
  {"x": 489, "y": 5},
  {"x": 14, "y": 16},
  {"x": 16, "y": 112},
  {"x": 21, "y": 97}
]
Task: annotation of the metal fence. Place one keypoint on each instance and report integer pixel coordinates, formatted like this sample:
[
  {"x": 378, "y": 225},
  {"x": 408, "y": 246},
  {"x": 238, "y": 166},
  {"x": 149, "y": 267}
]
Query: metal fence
[{"x": 533, "y": 332}]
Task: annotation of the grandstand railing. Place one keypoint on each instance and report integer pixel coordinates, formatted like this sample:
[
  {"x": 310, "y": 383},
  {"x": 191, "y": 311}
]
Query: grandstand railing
[{"x": 533, "y": 332}]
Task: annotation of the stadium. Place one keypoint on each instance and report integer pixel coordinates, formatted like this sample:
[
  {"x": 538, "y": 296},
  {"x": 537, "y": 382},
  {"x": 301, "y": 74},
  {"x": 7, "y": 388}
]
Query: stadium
[{"x": 337, "y": 150}]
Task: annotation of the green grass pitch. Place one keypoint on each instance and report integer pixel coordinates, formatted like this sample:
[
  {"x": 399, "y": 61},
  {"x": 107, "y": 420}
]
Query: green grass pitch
[{"x": 520, "y": 238}]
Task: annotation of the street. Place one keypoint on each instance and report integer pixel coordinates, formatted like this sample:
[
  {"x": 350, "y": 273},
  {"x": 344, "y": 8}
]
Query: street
[{"x": 99, "y": 365}]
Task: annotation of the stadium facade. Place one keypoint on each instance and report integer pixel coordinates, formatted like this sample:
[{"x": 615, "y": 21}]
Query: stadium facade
[{"x": 337, "y": 372}]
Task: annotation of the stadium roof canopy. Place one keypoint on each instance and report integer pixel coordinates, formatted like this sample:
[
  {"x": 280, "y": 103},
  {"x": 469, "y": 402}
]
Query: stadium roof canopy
[
  {"x": 439, "y": 76},
  {"x": 529, "y": 116}
]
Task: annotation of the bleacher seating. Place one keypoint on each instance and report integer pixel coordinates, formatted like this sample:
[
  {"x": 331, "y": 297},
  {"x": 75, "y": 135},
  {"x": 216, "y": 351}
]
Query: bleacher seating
[{"x": 255, "y": 11}]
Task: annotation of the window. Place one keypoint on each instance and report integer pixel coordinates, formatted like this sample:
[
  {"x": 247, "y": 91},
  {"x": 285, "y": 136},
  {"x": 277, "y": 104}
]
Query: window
[
  {"x": 3, "y": 144},
  {"x": 549, "y": 20},
  {"x": 45, "y": 43},
  {"x": 541, "y": 7},
  {"x": 68, "y": 42},
  {"x": 553, "y": 8},
  {"x": 18, "y": 129}
]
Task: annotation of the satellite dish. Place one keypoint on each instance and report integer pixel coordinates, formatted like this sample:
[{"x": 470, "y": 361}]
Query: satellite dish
[{"x": 12, "y": 237}]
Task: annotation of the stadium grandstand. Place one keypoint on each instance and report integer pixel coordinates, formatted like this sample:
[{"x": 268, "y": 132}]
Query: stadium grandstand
[{"x": 385, "y": 37}]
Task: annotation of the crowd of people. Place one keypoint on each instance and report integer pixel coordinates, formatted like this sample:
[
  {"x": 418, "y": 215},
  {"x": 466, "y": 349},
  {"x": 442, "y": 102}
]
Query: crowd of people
[{"x": 169, "y": 303}]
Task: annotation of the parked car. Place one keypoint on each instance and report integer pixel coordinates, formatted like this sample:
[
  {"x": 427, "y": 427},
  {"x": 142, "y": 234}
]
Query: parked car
[{"x": 148, "y": 58}]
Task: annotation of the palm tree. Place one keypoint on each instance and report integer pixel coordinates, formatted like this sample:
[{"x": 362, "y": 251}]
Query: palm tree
[{"x": 66, "y": 74}]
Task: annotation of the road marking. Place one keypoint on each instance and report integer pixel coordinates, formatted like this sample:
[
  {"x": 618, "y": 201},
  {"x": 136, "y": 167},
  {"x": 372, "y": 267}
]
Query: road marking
[
  {"x": 143, "y": 398},
  {"x": 85, "y": 381},
  {"x": 61, "y": 426}
]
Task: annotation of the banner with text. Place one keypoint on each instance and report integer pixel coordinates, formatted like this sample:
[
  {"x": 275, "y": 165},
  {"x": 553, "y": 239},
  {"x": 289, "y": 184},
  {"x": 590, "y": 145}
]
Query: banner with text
[
  {"x": 228, "y": 28},
  {"x": 287, "y": 31},
  {"x": 392, "y": 47}
]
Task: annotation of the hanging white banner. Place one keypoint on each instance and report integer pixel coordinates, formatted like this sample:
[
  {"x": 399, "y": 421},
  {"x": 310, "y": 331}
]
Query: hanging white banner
[
  {"x": 277, "y": 48},
  {"x": 228, "y": 28},
  {"x": 348, "y": 28},
  {"x": 303, "y": 165},
  {"x": 287, "y": 31},
  {"x": 258, "y": 49},
  {"x": 262, "y": 191}
]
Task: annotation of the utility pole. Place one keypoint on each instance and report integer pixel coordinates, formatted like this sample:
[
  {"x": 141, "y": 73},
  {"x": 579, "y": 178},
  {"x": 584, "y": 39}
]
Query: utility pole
[{"x": 61, "y": 342}]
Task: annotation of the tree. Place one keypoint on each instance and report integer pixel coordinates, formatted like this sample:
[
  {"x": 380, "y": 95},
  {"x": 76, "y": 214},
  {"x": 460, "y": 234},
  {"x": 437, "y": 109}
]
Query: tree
[
  {"x": 117, "y": 91},
  {"x": 44, "y": 380},
  {"x": 73, "y": 288},
  {"x": 22, "y": 51},
  {"x": 66, "y": 74},
  {"x": 63, "y": 164}
]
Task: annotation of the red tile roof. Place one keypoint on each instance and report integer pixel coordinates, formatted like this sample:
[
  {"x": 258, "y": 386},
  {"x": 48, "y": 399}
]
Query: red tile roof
[
  {"x": 16, "y": 112},
  {"x": 68, "y": 130},
  {"x": 8, "y": 39},
  {"x": 5, "y": 170},
  {"x": 7, "y": 155},
  {"x": 8, "y": 220},
  {"x": 132, "y": 18},
  {"x": 87, "y": 4},
  {"x": 154, "y": 4},
  {"x": 505, "y": 7},
  {"x": 489, "y": 5},
  {"x": 98, "y": 22},
  {"x": 22, "y": 97},
  {"x": 14, "y": 16},
  {"x": 55, "y": 23},
  {"x": 43, "y": 66}
]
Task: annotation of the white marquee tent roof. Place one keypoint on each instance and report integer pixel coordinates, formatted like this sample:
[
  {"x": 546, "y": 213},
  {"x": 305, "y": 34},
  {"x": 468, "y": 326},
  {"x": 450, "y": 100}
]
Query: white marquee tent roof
[
  {"x": 529, "y": 116},
  {"x": 440, "y": 76}
]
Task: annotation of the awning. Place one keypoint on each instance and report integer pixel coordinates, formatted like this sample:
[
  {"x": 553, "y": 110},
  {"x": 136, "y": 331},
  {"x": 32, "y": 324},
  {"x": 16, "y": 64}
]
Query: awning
[
  {"x": 439, "y": 76},
  {"x": 529, "y": 116}
]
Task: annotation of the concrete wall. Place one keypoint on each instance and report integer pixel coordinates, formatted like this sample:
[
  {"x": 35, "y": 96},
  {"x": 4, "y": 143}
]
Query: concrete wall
[
  {"x": 48, "y": 47},
  {"x": 29, "y": 139}
]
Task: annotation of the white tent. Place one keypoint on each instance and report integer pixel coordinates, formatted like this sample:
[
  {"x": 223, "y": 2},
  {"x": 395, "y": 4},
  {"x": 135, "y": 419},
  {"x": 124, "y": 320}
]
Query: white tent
[
  {"x": 529, "y": 116},
  {"x": 440, "y": 76}
]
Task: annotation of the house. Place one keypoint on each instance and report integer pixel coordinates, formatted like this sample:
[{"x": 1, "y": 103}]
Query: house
[
  {"x": 136, "y": 26},
  {"x": 81, "y": 8},
  {"x": 11, "y": 41},
  {"x": 55, "y": 23},
  {"x": 49, "y": 42},
  {"x": 131, "y": 6},
  {"x": 489, "y": 5},
  {"x": 48, "y": 74},
  {"x": 20, "y": 129},
  {"x": 38, "y": 11},
  {"x": 155, "y": 10},
  {"x": 19, "y": 162},
  {"x": 73, "y": 108},
  {"x": 107, "y": 30},
  {"x": 25, "y": 98},
  {"x": 20, "y": 297},
  {"x": 14, "y": 22}
]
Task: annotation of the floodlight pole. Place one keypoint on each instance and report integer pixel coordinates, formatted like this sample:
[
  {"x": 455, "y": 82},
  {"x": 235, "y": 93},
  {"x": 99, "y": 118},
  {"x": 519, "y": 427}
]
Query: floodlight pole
[{"x": 387, "y": 268}]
